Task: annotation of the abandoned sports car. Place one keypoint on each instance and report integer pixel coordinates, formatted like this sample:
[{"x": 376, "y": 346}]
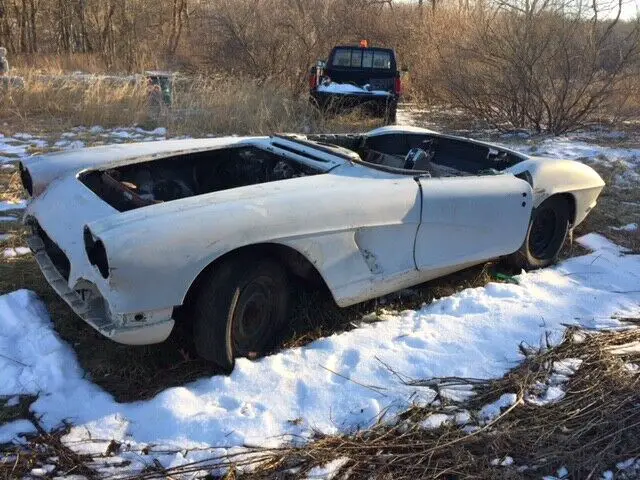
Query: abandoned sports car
[{"x": 129, "y": 235}]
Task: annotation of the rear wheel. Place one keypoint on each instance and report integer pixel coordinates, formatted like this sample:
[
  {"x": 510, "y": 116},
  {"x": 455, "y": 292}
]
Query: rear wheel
[
  {"x": 547, "y": 233},
  {"x": 240, "y": 309}
]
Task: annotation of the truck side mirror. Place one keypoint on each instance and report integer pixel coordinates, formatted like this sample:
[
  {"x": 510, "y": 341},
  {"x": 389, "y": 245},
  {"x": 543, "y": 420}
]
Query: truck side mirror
[{"x": 321, "y": 64}]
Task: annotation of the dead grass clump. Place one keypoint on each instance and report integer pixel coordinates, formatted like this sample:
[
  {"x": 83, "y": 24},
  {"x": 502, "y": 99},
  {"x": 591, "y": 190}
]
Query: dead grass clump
[
  {"x": 227, "y": 105},
  {"x": 10, "y": 186},
  {"x": 45, "y": 455},
  {"x": 588, "y": 431},
  {"x": 66, "y": 101}
]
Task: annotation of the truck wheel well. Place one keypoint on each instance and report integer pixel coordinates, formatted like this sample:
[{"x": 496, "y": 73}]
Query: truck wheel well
[{"x": 294, "y": 262}]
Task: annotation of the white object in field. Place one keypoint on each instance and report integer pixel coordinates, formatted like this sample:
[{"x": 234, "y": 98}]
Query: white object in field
[
  {"x": 349, "y": 88},
  {"x": 371, "y": 232}
]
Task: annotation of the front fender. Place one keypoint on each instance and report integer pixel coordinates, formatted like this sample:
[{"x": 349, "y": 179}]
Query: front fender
[{"x": 552, "y": 177}]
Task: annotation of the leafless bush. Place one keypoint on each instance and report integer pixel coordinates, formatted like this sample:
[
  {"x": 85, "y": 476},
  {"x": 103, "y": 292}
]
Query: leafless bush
[{"x": 542, "y": 64}]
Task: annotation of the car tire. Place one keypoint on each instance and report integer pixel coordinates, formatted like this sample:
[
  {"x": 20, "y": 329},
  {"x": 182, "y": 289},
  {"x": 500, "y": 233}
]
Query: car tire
[
  {"x": 547, "y": 232},
  {"x": 240, "y": 309}
]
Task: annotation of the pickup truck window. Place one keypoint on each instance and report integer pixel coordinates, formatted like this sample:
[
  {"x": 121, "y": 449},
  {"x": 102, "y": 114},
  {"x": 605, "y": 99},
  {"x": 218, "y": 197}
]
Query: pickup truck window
[{"x": 361, "y": 58}]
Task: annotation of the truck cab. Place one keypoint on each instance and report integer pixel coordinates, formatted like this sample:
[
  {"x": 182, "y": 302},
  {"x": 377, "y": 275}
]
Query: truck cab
[{"x": 358, "y": 75}]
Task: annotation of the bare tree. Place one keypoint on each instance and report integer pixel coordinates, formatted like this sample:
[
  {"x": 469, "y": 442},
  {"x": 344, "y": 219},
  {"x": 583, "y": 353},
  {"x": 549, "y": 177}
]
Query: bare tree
[{"x": 541, "y": 64}]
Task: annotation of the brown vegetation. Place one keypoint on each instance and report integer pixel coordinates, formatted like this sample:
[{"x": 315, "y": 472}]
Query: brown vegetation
[{"x": 550, "y": 65}]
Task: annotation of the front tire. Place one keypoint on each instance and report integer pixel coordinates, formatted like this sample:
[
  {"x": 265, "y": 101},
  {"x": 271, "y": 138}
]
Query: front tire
[
  {"x": 548, "y": 230},
  {"x": 240, "y": 309}
]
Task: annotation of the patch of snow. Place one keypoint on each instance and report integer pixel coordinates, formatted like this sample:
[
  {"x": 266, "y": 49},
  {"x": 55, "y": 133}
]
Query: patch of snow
[
  {"x": 23, "y": 136},
  {"x": 121, "y": 134},
  {"x": 37, "y": 143},
  {"x": 593, "y": 241},
  {"x": 505, "y": 462},
  {"x": 625, "y": 465},
  {"x": 158, "y": 132},
  {"x": 567, "y": 366},
  {"x": 630, "y": 227},
  {"x": 491, "y": 411},
  {"x": 13, "y": 401},
  {"x": 463, "y": 417},
  {"x": 15, "y": 252},
  {"x": 632, "y": 367},
  {"x": 12, "y": 430},
  {"x": 474, "y": 333},
  {"x": 8, "y": 219},
  {"x": 328, "y": 471},
  {"x": 43, "y": 471},
  {"x": 435, "y": 420},
  {"x": 8, "y": 205},
  {"x": 553, "y": 391},
  {"x": 96, "y": 129},
  {"x": 608, "y": 475},
  {"x": 349, "y": 88},
  {"x": 76, "y": 144},
  {"x": 561, "y": 474},
  {"x": 627, "y": 348},
  {"x": 551, "y": 395}
]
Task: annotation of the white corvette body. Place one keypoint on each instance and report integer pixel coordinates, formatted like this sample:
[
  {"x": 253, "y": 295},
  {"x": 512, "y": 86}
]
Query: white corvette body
[{"x": 365, "y": 228}]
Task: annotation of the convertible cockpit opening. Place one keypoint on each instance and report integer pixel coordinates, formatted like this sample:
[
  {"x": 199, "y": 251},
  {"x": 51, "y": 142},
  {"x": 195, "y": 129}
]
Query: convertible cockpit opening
[
  {"x": 438, "y": 155},
  {"x": 441, "y": 156},
  {"x": 187, "y": 175}
]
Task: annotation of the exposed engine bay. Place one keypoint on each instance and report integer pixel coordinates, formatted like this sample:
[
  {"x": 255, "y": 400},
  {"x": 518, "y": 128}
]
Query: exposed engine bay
[{"x": 182, "y": 176}]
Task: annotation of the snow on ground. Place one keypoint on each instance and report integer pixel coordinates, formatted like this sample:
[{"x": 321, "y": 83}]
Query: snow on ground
[
  {"x": 15, "y": 252},
  {"x": 630, "y": 227},
  {"x": 349, "y": 88},
  {"x": 12, "y": 431},
  {"x": 24, "y": 144},
  {"x": 338, "y": 383},
  {"x": 580, "y": 147},
  {"x": 4, "y": 206}
]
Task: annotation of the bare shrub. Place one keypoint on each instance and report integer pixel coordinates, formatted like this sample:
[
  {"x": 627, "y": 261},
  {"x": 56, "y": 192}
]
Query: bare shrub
[
  {"x": 548, "y": 65},
  {"x": 217, "y": 105}
]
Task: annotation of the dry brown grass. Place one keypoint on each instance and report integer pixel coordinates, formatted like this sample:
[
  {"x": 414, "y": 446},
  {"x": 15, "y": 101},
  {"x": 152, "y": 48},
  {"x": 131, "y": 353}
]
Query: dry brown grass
[
  {"x": 63, "y": 102},
  {"x": 202, "y": 105}
]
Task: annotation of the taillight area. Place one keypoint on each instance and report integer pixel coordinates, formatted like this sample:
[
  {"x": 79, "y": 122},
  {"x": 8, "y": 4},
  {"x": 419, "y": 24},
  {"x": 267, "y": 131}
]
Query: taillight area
[
  {"x": 96, "y": 252},
  {"x": 25, "y": 178},
  {"x": 398, "y": 86},
  {"x": 313, "y": 78}
]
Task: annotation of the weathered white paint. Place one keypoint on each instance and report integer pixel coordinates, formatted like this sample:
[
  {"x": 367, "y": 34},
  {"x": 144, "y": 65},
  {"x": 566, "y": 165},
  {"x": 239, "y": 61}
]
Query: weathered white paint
[
  {"x": 472, "y": 219},
  {"x": 357, "y": 225},
  {"x": 551, "y": 177}
]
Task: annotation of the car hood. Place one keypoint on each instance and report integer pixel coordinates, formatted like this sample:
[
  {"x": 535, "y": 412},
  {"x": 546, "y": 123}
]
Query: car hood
[{"x": 43, "y": 169}]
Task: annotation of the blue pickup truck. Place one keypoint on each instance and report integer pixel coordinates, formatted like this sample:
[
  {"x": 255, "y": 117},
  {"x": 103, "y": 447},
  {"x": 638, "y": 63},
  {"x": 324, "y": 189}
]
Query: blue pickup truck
[{"x": 358, "y": 75}]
